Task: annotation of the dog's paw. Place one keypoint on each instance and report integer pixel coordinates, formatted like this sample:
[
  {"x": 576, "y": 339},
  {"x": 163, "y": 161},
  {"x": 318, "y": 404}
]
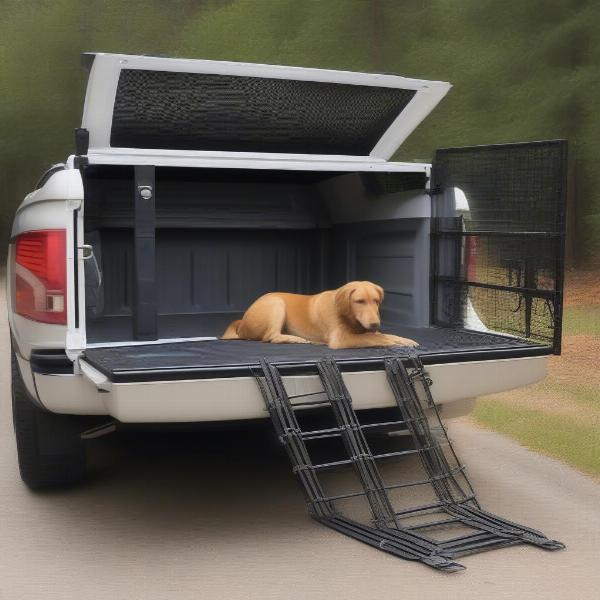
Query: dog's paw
[{"x": 396, "y": 340}]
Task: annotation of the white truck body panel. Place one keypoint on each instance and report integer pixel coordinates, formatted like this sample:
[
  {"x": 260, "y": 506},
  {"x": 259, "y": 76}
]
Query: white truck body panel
[
  {"x": 49, "y": 207},
  {"x": 223, "y": 399}
]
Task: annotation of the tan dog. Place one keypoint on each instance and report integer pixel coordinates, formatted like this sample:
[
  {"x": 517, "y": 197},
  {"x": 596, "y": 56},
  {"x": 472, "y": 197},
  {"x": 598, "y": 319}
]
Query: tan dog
[{"x": 344, "y": 318}]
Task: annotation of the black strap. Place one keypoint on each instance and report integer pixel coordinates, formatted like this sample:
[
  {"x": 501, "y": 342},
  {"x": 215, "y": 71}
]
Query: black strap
[{"x": 144, "y": 265}]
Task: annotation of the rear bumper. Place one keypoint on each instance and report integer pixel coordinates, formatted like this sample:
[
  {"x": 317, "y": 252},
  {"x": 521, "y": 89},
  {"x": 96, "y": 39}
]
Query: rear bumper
[{"x": 226, "y": 398}]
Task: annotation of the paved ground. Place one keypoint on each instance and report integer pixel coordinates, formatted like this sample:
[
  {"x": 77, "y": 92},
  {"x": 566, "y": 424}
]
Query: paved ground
[{"x": 199, "y": 516}]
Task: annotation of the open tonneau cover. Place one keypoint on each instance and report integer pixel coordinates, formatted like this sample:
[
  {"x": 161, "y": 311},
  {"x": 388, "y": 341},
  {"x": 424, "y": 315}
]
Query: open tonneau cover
[{"x": 156, "y": 110}]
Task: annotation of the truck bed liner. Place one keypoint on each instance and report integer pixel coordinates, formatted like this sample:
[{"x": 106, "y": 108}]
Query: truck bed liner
[{"x": 238, "y": 358}]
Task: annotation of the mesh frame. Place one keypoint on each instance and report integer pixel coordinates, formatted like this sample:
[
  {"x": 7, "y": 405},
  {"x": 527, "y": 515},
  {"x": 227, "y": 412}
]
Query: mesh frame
[
  {"x": 200, "y": 111},
  {"x": 504, "y": 258}
]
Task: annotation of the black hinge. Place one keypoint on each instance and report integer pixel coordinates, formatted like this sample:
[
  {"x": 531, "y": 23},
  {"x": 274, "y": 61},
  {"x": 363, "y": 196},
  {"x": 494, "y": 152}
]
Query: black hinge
[{"x": 82, "y": 144}]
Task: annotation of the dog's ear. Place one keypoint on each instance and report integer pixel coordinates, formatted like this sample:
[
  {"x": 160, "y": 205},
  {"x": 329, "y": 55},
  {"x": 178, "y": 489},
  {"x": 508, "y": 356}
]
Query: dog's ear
[
  {"x": 380, "y": 291},
  {"x": 343, "y": 297}
]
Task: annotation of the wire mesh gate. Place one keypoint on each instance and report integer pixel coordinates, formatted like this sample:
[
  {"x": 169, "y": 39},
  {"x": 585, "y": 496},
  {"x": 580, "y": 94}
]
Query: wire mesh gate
[
  {"x": 450, "y": 524},
  {"x": 498, "y": 234}
]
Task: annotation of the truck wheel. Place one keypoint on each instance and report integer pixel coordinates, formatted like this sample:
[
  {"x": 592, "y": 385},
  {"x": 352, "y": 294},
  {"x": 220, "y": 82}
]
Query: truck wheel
[{"x": 50, "y": 449}]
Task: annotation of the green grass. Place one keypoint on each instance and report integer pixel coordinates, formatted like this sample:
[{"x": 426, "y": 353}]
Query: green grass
[
  {"x": 582, "y": 320},
  {"x": 555, "y": 435},
  {"x": 586, "y": 396},
  {"x": 573, "y": 435}
]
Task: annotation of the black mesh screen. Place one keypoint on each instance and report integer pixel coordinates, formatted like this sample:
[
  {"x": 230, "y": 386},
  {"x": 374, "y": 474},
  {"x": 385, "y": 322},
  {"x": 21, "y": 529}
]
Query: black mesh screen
[
  {"x": 498, "y": 242},
  {"x": 196, "y": 111},
  {"x": 510, "y": 187}
]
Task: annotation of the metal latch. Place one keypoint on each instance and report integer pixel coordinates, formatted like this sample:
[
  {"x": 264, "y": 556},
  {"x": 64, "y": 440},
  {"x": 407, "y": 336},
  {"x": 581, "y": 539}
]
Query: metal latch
[
  {"x": 91, "y": 256},
  {"x": 145, "y": 192}
]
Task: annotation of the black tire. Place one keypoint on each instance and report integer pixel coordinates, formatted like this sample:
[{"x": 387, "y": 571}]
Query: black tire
[{"x": 50, "y": 450}]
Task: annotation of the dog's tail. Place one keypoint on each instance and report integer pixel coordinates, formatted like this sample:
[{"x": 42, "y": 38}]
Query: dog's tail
[{"x": 231, "y": 333}]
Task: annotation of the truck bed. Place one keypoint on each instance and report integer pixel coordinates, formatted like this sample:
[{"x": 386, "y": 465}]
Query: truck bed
[{"x": 237, "y": 358}]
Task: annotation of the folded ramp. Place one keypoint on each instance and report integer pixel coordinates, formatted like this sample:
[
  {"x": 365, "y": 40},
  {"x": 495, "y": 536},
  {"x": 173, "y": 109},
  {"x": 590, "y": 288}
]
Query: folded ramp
[{"x": 447, "y": 524}]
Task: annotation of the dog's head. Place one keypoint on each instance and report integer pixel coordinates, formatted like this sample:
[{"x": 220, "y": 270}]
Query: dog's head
[{"x": 358, "y": 305}]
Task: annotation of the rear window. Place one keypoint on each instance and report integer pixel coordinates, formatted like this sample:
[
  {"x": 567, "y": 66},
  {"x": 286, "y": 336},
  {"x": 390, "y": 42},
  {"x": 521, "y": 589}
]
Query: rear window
[{"x": 198, "y": 111}]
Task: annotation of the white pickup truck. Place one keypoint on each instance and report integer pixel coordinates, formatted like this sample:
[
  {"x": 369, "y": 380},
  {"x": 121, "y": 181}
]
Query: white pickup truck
[{"x": 196, "y": 186}]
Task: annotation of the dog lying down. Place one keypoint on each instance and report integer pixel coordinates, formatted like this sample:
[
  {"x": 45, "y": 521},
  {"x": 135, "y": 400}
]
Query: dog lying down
[{"x": 344, "y": 318}]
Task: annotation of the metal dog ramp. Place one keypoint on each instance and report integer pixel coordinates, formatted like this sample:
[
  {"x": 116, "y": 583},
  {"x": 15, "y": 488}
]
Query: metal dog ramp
[{"x": 433, "y": 517}]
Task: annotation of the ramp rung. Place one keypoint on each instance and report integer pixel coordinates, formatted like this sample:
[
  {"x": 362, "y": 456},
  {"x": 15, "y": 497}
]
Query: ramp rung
[
  {"x": 336, "y": 431},
  {"x": 479, "y": 546},
  {"x": 315, "y": 403},
  {"x": 394, "y": 486},
  {"x": 383, "y": 424},
  {"x": 443, "y": 471},
  {"x": 306, "y": 394},
  {"x": 479, "y": 536},
  {"x": 431, "y": 506},
  {"x": 349, "y": 461},
  {"x": 425, "y": 481},
  {"x": 433, "y": 524}
]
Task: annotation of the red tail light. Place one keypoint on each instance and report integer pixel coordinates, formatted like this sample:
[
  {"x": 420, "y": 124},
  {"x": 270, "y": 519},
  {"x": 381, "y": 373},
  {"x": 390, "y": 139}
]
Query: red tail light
[{"x": 41, "y": 276}]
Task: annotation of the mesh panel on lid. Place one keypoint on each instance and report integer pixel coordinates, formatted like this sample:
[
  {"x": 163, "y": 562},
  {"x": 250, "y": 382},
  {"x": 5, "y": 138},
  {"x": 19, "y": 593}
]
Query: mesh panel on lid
[{"x": 198, "y": 111}]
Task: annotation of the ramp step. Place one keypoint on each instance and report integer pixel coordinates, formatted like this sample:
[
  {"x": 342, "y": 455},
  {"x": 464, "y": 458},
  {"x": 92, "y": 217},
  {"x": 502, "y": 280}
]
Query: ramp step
[{"x": 391, "y": 529}]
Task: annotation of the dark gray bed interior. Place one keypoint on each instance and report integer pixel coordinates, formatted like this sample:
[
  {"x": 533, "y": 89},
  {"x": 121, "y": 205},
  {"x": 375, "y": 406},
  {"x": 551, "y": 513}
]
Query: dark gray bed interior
[{"x": 224, "y": 237}]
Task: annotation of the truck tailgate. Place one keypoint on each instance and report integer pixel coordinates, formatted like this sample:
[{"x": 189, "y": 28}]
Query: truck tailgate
[{"x": 207, "y": 359}]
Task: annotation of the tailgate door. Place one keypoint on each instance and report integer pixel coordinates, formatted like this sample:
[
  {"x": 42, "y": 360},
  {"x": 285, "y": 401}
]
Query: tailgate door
[
  {"x": 147, "y": 107},
  {"x": 498, "y": 239}
]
